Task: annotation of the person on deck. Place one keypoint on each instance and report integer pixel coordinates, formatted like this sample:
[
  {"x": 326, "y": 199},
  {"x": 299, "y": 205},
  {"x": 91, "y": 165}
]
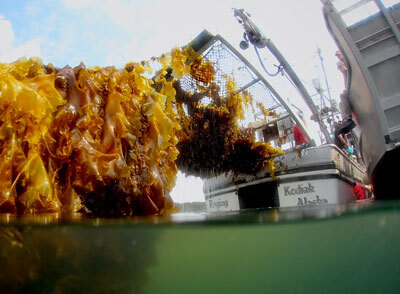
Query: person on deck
[
  {"x": 340, "y": 137},
  {"x": 345, "y": 110},
  {"x": 342, "y": 65},
  {"x": 344, "y": 105}
]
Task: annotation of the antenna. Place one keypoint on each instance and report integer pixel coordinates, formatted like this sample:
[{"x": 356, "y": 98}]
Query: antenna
[{"x": 257, "y": 38}]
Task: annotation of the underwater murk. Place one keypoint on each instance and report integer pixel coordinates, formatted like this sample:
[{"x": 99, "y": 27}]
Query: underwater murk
[{"x": 347, "y": 248}]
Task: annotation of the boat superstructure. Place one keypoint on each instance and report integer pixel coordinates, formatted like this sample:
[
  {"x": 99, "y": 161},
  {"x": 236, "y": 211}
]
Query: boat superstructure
[
  {"x": 367, "y": 33},
  {"x": 305, "y": 175}
]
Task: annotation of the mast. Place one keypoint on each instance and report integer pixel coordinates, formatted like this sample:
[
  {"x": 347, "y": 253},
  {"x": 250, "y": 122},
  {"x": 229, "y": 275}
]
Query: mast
[
  {"x": 326, "y": 83},
  {"x": 254, "y": 35}
]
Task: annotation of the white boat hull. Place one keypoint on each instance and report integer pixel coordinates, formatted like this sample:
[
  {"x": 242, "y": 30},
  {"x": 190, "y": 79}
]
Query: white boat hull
[{"x": 322, "y": 175}]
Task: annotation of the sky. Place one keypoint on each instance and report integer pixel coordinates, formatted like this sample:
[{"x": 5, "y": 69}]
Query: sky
[{"x": 114, "y": 32}]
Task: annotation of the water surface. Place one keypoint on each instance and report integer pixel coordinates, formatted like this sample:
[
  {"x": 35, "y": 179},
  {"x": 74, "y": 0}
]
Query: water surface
[{"x": 351, "y": 248}]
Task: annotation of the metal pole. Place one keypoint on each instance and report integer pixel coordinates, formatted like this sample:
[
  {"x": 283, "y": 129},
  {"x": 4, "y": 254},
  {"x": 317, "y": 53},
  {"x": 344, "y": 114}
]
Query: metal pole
[
  {"x": 300, "y": 88},
  {"x": 323, "y": 70},
  {"x": 257, "y": 38},
  {"x": 326, "y": 82}
]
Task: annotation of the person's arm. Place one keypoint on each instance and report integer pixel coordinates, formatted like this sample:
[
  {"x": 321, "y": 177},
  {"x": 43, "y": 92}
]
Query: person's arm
[{"x": 343, "y": 139}]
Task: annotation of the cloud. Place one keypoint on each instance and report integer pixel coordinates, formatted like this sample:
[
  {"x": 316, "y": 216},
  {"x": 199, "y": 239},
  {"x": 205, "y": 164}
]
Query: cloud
[
  {"x": 29, "y": 49},
  {"x": 8, "y": 51},
  {"x": 146, "y": 29},
  {"x": 7, "y": 34},
  {"x": 124, "y": 31}
]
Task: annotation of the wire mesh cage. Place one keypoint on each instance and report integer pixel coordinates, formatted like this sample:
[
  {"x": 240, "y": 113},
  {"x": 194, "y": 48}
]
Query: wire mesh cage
[
  {"x": 228, "y": 65},
  {"x": 266, "y": 109}
]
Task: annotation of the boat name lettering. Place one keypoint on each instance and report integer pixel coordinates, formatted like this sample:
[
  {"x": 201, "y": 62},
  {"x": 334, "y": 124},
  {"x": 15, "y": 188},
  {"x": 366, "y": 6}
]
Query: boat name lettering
[
  {"x": 218, "y": 204},
  {"x": 299, "y": 190},
  {"x": 305, "y": 201}
]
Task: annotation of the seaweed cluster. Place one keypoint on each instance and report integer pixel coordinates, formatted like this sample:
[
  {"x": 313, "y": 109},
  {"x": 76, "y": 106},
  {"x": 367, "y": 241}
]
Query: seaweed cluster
[
  {"x": 101, "y": 140},
  {"x": 212, "y": 142},
  {"x": 107, "y": 141}
]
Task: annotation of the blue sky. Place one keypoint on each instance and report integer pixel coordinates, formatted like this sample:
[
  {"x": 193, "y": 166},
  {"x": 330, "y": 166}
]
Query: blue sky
[
  {"x": 104, "y": 32},
  {"x": 114, "y": 32},
  {"x": 65, "y": 31}
]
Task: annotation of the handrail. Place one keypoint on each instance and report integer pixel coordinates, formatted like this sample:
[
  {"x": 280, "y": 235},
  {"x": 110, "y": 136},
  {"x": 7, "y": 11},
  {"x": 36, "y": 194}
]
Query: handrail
[{"x": 354, "y": 6}]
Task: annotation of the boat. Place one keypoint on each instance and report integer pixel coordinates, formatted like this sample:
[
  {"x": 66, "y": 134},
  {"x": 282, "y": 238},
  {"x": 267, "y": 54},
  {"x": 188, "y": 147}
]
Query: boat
[
  {"x": 305, "y": 175},
  {"x": 321, "y": 175},
  {"x": 367, "y": 33},
  {"x": 371, "y": 47}
]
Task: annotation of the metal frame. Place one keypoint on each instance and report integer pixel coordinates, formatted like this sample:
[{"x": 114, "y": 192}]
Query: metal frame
[
  {"x": 258, "y": 78},
  {"x": 294, "y": 79},
  {"x": 360, "y": 60},
  {"x": 389, "y": 19},
  {"x": 354, "y": 6},
  {"x": 378, "y": 141}
]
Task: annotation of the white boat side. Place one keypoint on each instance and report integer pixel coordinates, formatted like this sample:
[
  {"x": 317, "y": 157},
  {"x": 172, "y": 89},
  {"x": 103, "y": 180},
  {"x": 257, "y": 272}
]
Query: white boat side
[{"x": 321, "y": 175}]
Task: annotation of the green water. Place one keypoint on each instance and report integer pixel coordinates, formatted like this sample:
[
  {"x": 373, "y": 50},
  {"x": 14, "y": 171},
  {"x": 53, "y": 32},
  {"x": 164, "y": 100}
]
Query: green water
[{"x": 335, "y": 249}]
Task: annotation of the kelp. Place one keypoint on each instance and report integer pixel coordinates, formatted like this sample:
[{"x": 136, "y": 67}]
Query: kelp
[
  {"x": 107, "y": 141},
  {"x": 212, "y": 141},
  {"x": 98, "y": 139}
]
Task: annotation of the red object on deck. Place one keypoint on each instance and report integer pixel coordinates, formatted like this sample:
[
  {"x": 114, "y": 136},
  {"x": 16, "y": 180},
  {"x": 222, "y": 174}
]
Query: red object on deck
[
  {"x": 299, "y": 137},
  {"x": 360, "y": 192}
]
